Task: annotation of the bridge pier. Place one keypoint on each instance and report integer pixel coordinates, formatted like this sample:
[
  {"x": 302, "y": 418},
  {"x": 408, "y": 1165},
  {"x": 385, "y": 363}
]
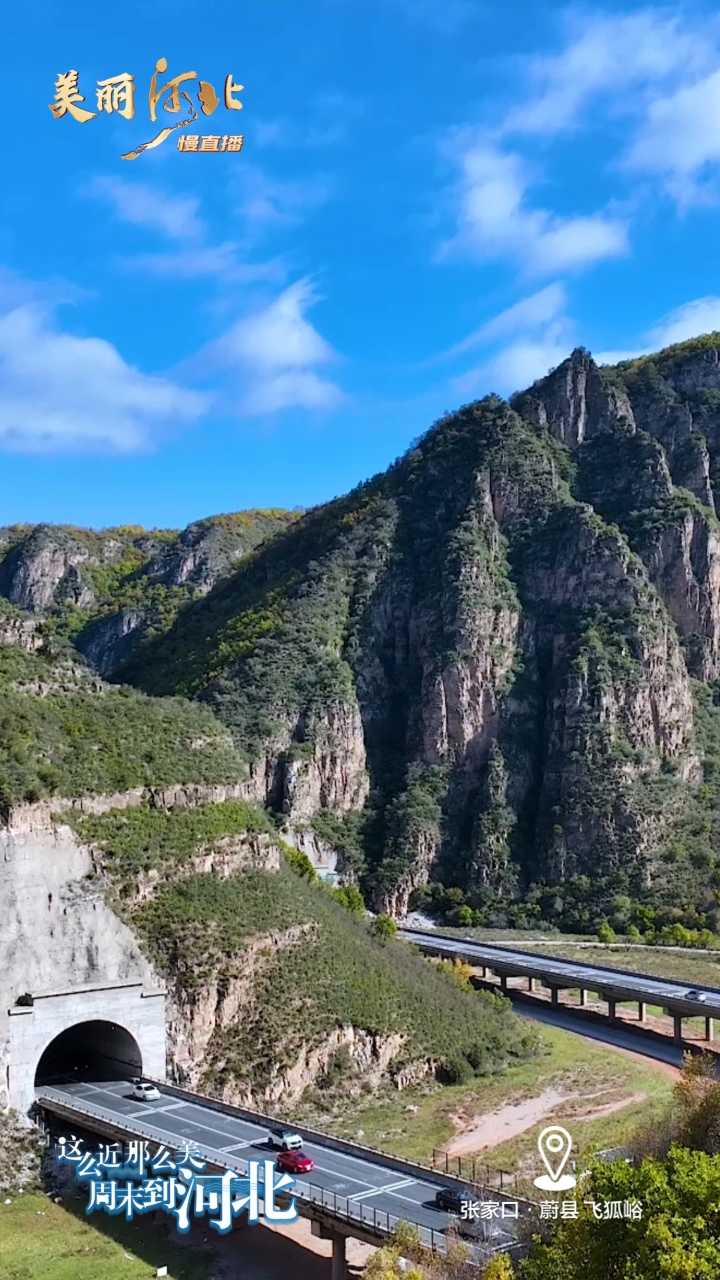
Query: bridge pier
[
  {"x": 677, "y": 1027},
  {"x": 583, "y": 998},
  {"x": 531, "y": 984},
  {"x": 555, "y": 995},
  {"x": 642, "y": 1011},
  {"x": 709, "y": 1028},
  {"x": 503, "y": 981},
  {"x": 611, "y": 1010},
  {"x": 338, "y": 1269}
]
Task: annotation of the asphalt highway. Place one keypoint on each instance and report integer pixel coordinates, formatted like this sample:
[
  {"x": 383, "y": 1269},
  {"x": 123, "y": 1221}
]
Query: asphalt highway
[
  {"x": 363, "y": 1180},
  {"x": 569, "y": 972}
]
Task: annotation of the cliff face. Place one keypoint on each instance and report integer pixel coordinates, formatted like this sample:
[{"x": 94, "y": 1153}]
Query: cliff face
[
  {"x": 111, "y": 588},
  {"x": 481, "y": 667}
]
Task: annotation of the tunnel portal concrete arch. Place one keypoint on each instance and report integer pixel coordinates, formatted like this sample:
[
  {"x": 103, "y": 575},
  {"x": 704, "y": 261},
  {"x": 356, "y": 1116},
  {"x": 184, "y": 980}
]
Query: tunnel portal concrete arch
[
  {"x": 93, "y": 1051},
  {"x": 50, "y": 1034}
]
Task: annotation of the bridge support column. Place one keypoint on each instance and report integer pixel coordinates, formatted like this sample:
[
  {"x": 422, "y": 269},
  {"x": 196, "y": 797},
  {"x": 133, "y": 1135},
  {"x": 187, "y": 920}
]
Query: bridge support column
[
  {"x": 583, "y": 998},
  {"x": 338, "y": 1269},
  {"x": 484, "y": 972},
  {"x": 611, "y": 1010},
  {"x": 503, "y": 982},
  {"x": 642, "y": 1011},
  {"x": 554, "y": 995},
  {"x": 531, "y": 984},
  {"x": 677, "y": 1027},
  {"x": 709, "y": 1028}
]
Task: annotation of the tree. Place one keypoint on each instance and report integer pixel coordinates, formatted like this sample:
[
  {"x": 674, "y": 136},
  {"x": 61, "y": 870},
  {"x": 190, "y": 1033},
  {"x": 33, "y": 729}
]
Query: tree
[
  {"x": 384, "y": 927},
  {"x": 605, "y": 932},
  {"x": 500, "y": 1268},
  {"x": 676, "y": 1238},
  {"x": 696, "y": 1104},
  {"x": 459, "y": 970},
  {"x": 350, "y": 897}
]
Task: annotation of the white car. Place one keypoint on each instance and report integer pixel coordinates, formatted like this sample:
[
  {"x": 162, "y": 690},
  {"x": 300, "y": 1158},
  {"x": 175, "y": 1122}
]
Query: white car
[
  {"x": 144, "y": 1092},
  {"x": 695, "y": 995},
  {"x": 285, "y": 1139}
]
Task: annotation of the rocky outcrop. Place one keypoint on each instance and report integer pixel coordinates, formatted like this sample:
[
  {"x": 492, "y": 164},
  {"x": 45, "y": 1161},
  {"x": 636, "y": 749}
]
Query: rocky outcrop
[
  {"x": 45, "y": 569},
  {"x": 25, "y": 819},
  {"x": 196, "y": 1017},
  {"x": 316, "y": 763},
  {"x": 575, "y": 401},
  {"x": 20, "y": 632},
  {"x": 109, "y": 642},
  {"x": 199, "y": 1021}
]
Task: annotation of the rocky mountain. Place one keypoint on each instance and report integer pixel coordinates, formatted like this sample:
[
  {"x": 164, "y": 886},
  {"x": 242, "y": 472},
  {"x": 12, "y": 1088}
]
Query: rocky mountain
[
  {"x": 109, "y": 589},
  {"x": 486, "y": 679}
]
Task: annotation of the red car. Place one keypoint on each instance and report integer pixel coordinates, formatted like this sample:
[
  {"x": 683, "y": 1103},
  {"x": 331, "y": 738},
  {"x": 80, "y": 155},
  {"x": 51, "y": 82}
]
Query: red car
[{"x": 294, "y": 1162}]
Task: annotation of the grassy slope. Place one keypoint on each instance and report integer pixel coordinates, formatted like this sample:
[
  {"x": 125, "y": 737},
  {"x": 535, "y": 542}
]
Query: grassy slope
[
  {"x": 337, "y": 974},
  {"x": 568, "y": 1063},
  {"x": 75, "y": 739},
  {"x": 197, "y": 927},
  {"x": 40, "y": 1240}
]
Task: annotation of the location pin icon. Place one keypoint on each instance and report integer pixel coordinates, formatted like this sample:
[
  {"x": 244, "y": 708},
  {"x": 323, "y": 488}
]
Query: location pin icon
[{"x": 555, "y": 1145}]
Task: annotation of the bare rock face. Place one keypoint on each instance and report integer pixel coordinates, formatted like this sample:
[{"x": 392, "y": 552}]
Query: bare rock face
[
  {"x": 44, "y": 570},
  {"x": 319, "y": 763},
  {"x": 19, "y": 632},
  {"x": 683, "y": 559},
  {"x": 574, "y": 402},
  {"x": 110, "y": 641},
  {"x": 202, "y": 554}
]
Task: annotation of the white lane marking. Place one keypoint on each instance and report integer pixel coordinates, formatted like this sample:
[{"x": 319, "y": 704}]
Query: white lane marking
[
  {"x": 197, "y": 1125},
  {"x": 237, "y": 1146},
  {"x": 377, "y": 1191},
  {"x": 135, "y": 1115},
  {"x": 162, "y": 1110},
  {"x": 333, "y": 1173}
]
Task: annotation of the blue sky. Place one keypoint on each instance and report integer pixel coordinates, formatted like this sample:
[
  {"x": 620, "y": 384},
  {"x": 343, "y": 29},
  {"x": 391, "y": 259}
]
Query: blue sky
[{"x": 436, "y": 199}]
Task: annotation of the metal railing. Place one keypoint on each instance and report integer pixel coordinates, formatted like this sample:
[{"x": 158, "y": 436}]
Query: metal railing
[{"x": 378, "y": 1222}]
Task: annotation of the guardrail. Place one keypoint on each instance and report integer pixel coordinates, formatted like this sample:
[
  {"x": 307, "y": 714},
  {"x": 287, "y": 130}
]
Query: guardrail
[
  {"x": 406, "y": 935},
  {"x": 377, "y": 1222},
  {"x": 416, "y": 1168}
]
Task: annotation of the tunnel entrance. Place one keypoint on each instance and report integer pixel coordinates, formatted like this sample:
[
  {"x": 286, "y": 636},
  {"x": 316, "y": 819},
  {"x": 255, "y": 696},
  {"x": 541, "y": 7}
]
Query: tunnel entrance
[{"x": 90, "y": 1051}]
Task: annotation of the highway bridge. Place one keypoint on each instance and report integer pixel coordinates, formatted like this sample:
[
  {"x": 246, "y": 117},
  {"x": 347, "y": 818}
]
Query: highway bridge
[
  {"x": 353, "y": 1191},
  {"x": 614, "y": 986}
]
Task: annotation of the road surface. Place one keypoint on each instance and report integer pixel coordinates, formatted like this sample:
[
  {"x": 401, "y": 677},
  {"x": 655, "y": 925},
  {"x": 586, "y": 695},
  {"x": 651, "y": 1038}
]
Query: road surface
[{"x": 362, "y": 1179}]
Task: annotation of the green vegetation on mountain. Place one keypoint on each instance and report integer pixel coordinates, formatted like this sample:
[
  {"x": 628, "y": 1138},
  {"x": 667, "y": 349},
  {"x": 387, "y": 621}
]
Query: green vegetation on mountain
[
  {"x": 143, "y": 839},
  {"x": 331, "y": 972},
  {"x": 490, "y": 669},
  {"x": 64, "y": 734}
]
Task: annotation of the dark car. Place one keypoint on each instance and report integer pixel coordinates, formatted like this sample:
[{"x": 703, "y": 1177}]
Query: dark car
[
  {"x": 695, "y": 995},
  {"x": 452, "y": 1199}
]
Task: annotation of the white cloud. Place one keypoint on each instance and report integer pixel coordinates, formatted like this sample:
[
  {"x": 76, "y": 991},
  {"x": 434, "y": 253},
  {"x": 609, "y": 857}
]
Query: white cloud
[
  {"x": 604, "y": 55},
  {"x": 687, "y": 321},
  {"x": 680, "y": 137},
  {"x": 142, "y": 205},
  {"x": 690, "y": 320},
  {"x": 267, "y": 202},
  {"x": 271, "y": 356},
  {"x": 63, "y": 392},
  {"x": 223, "y": 261},
  {"x": 516, "y": 365},
  {"x": 177, "y": 218},
  {"x": 495, "y": 220},
  {"x": 529, "y": 313}
]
